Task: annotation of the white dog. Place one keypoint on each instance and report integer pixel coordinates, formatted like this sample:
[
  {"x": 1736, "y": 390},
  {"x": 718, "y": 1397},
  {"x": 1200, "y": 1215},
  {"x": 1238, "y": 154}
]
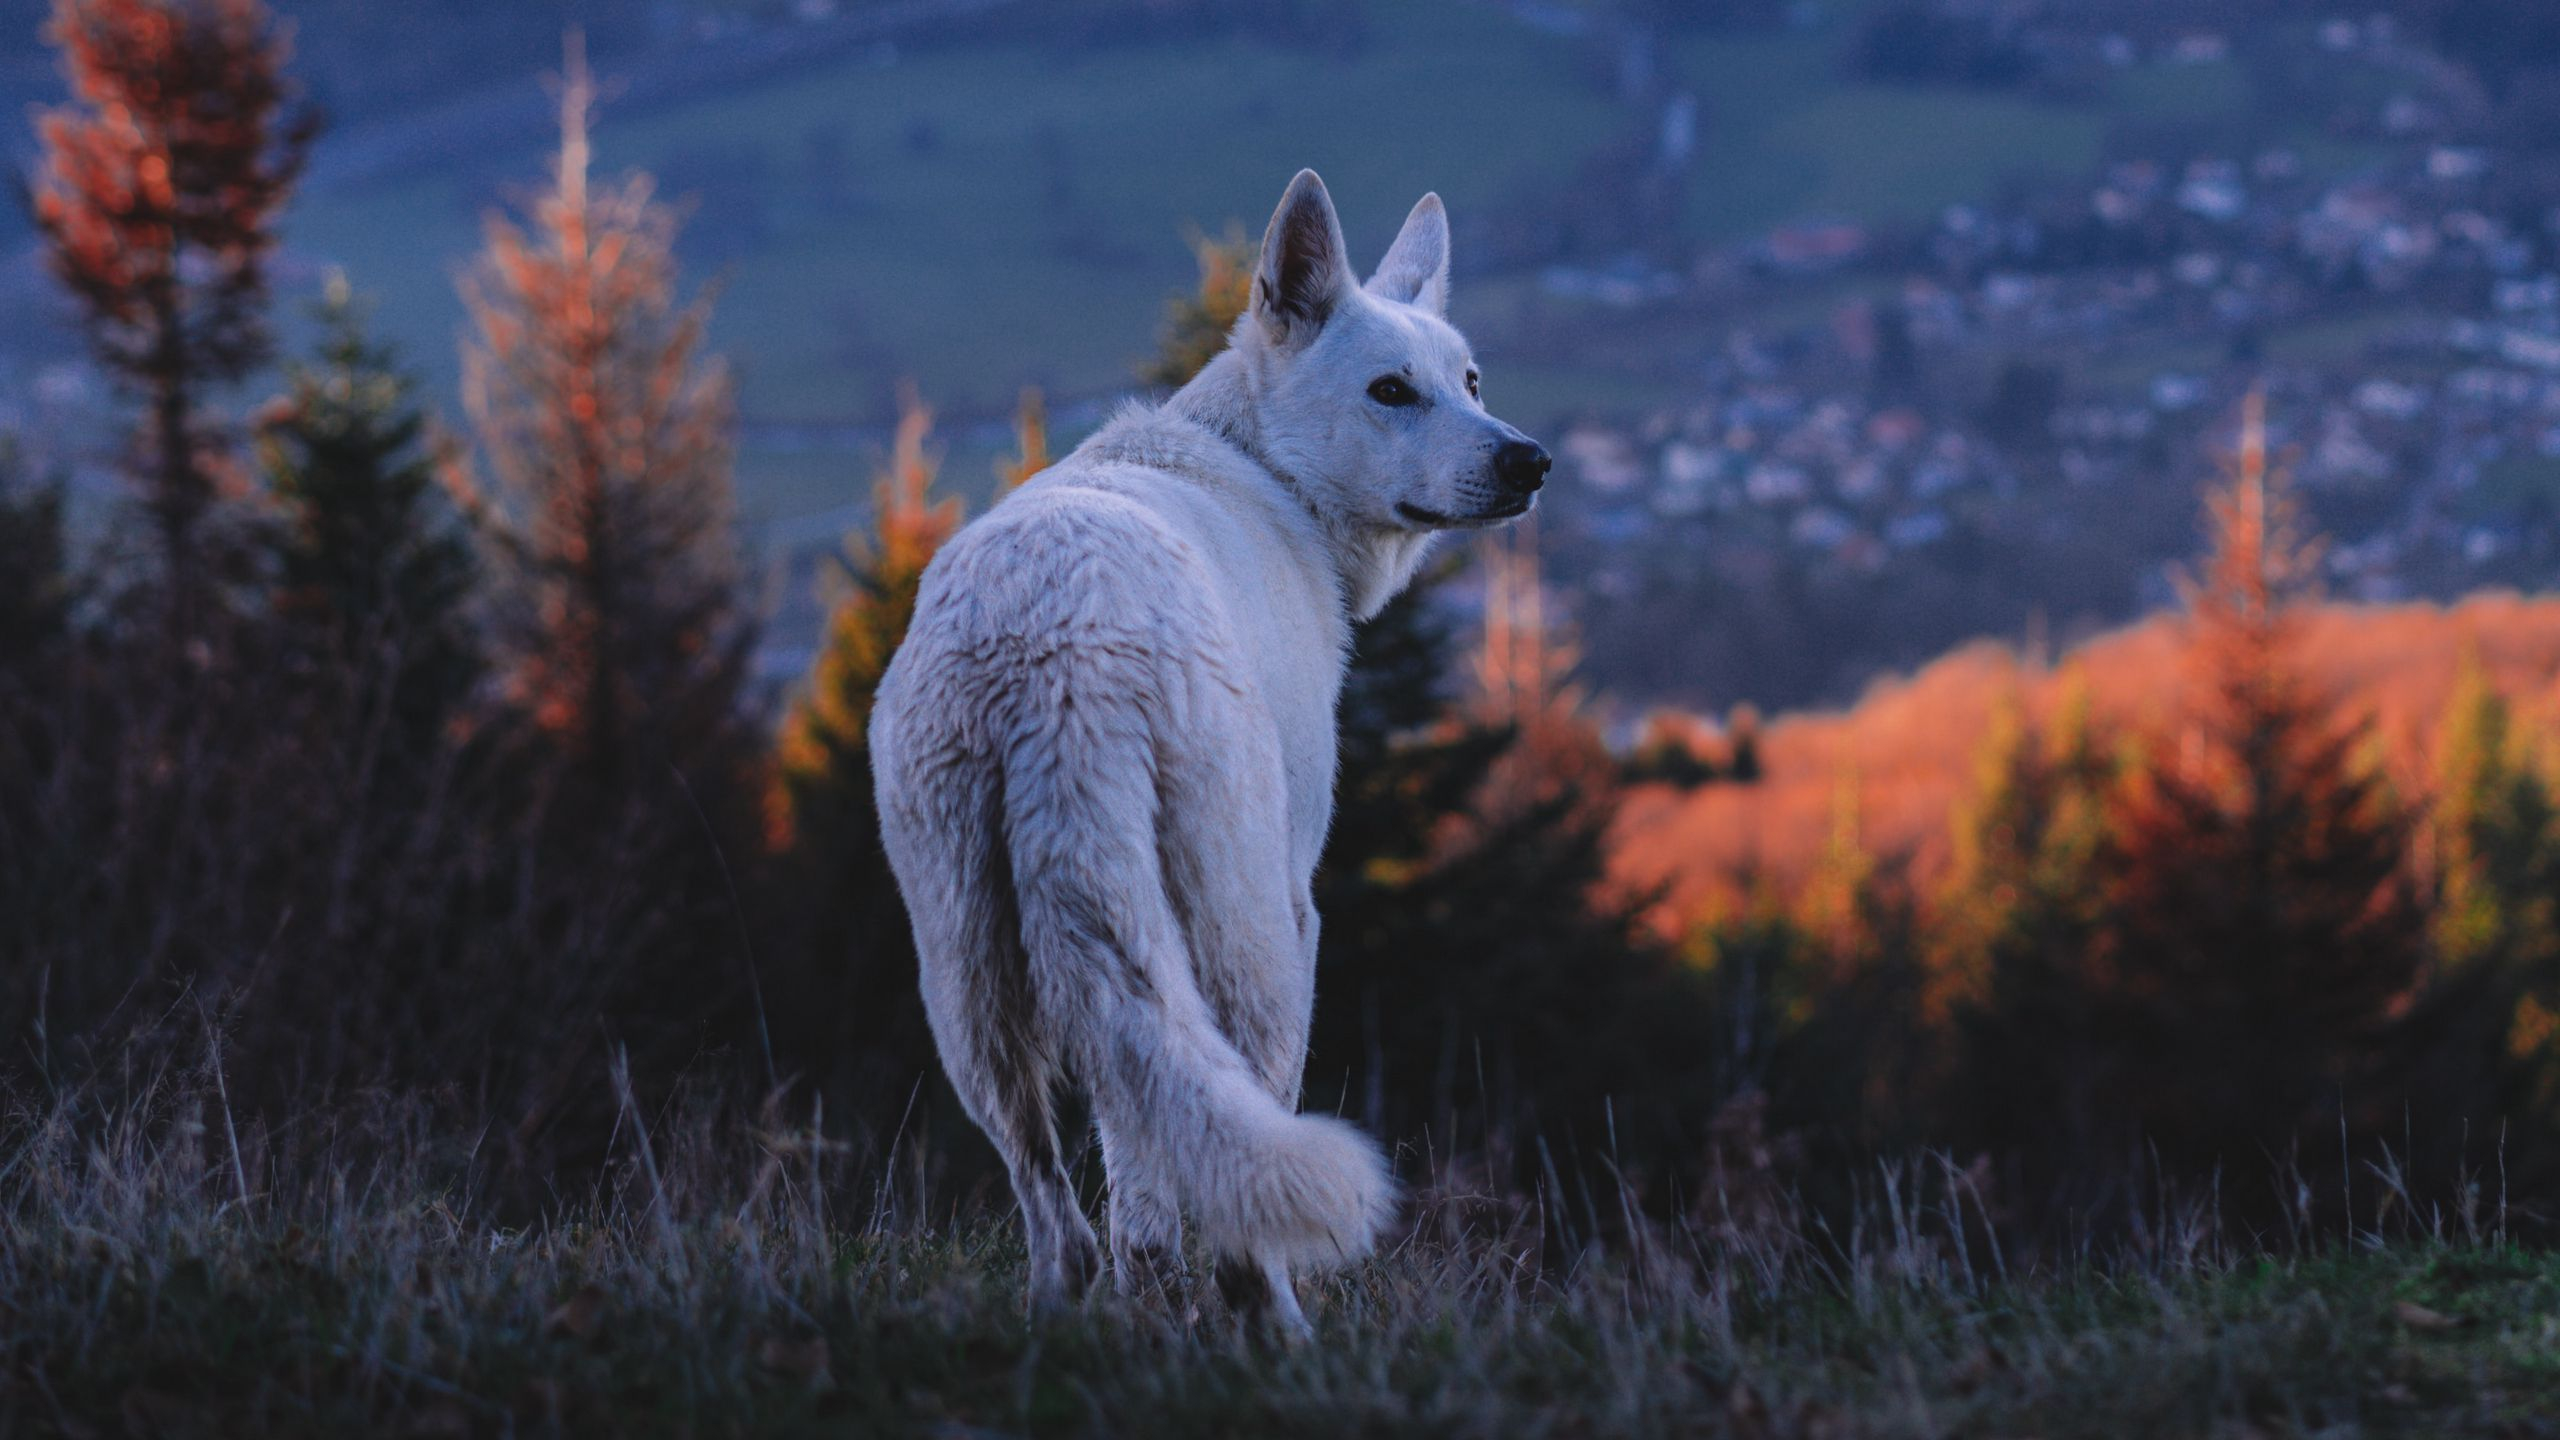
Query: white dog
[{"x": 1105, "y": 760}]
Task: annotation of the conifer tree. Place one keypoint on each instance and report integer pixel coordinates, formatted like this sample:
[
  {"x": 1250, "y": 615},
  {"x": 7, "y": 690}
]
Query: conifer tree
[
  {"x": 618, "y": 632},
  {"x": 35, "y": 602},
  {"x": 822, "y": 816},
  {"x": 368, "y": 574},
  {"x": 1522, "y": 668},
  {"x": 607, "y": 431},
  {"x": 157, "y": 197},
  {"x": 823, "y": 796},
  {"x": 1674, "y": 748},
  {"x": 2261, "y": 927},
  {"x": 1851, "y": 1056},
  {"x": 2497, "y": 872},
  {"x": 1472, "y": 961},
  {"x": 2021, "y": 914},
  {"x": 2024, "y": 836},
  {"x": 1196, "y": 325},
  {"x": 1996, "y": 825},
  {"x": 1030, "y": 443},
  {"x": 2482, "y": 1040},
  {"x": 1742, "y": 731},
  {"x": 35, "y": 580}
]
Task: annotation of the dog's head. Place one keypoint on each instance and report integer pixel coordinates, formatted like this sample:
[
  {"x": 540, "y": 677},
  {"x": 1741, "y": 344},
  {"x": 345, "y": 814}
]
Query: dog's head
[{"x": 1366, "y": 395}]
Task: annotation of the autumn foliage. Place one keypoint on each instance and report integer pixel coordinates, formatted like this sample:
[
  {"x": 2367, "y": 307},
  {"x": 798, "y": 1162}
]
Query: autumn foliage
[
  {"x": 2261, "y": 926},
  {"x": 158, "y": 196},
  {"x": 1913, "y": 746},
  {"x": 853, "y": 946},
  {"x": 2224, "y": 890},
  {"x": 1196, "y": 322},
  {"x": 606, "y": 428}
]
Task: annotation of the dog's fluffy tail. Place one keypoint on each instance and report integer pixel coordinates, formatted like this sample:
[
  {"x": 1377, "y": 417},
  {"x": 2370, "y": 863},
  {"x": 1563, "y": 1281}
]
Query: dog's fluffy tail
[
  {"x": 1188, "y": 1118},
  {"x": 1256, "y": 1178}
]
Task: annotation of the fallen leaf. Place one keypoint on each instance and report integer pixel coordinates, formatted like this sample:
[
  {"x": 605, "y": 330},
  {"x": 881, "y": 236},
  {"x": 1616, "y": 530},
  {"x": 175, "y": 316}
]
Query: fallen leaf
[
  {"x": 579, "y": 1317},
  {"x": 2419, "y": 1317}
]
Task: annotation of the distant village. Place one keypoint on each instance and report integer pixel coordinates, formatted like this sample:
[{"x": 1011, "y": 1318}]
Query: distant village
[{"x": 1998, "y": 422}]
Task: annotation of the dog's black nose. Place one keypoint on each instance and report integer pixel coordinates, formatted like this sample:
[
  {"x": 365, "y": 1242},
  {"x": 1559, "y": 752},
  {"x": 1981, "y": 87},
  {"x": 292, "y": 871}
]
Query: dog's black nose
[{"x": 1521, "y": 465}]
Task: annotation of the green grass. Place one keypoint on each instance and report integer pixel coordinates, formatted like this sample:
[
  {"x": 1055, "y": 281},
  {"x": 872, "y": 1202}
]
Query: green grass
[
  {"x": 951, "y": 270},
  {"x": 954, "y": 269},
  {"x": 2343, "y": 340},
  {"x": 2187, "y": 93},
  {"x": 1783, "y": 136},
  {"x": 2339, "y": 340},
  {"x": 162, "y": 1278},
  {"x": 2514, "y": 485},
  {"x": 1865, "y": 153}
]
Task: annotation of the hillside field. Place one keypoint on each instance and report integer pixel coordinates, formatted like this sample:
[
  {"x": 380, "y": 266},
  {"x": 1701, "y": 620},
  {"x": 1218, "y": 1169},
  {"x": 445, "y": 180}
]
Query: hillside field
[{"x": 977, "y": 217}]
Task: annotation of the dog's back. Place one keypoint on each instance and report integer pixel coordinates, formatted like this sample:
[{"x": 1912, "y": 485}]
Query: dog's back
[
  {"x": 1084, "y": 762},
  {"x": 1105, "y": 757}
]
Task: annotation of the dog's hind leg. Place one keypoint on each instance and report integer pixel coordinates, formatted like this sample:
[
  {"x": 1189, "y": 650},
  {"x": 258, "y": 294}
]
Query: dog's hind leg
[
  {"x": 1249, "y": 928},
  {"x": 1064, "y": 1255},
  {"x": 1007, "y": 1077},
  {"x": 1146, "y": 1226},
  {"x": 1259, "y": 1289},
  {"x": 986, "y": 1021}
]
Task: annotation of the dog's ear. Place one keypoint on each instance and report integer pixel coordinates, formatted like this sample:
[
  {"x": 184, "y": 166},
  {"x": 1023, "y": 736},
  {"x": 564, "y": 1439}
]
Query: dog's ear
[
  {"x": 1302, "y": 274},
  {"x": 1416, "y": 270}
]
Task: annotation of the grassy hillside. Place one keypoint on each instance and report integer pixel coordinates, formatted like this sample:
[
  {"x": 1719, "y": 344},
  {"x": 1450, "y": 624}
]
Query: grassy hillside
[
  {"x": 1009, "y": 214},
  {"x": 980, "y": 216},
  {"x": 167, "y": 1277}
]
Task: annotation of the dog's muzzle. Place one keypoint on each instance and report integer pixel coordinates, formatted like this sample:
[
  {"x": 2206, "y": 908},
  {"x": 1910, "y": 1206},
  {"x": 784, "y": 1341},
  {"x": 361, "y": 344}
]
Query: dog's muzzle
[{"x": 1520, "y": 467}]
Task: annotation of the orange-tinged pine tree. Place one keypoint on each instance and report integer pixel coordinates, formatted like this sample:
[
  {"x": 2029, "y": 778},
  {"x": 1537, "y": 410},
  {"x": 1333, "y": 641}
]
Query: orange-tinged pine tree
[
  {"x": 823, "y": 798},
  {"x": 1030, "y": 442},
  {"x": 1196, "y": 325},
  {"x": 157, "y": 196},
  {"x": 1523, "y": 668},
  {"x": 2483, "y": 1035},
  {"x": 1997, "y": 827},
  {"x": 820, "y": 815},
  {"x": 2496, "y": 851},
  {"x": 2014, "y": 929},
  {"x": 608, "y": 432},
  {"x": 2261, "y": 928}
]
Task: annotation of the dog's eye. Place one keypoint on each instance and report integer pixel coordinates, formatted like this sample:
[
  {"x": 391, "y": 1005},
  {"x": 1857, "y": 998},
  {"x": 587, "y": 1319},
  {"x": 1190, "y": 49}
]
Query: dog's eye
[
  {"x": 1392, "y": 390},
  {"x": 1471, "y": 386}
]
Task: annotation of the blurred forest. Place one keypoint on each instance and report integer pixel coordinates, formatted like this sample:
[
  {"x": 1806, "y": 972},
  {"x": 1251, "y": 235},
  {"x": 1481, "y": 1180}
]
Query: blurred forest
[{"x": 376, "y": 753}]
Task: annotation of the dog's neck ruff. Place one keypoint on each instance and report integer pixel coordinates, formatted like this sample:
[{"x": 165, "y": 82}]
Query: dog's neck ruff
[
  {"x": 1371, "y": 562},
  {"x": 1219, "y": 400}
]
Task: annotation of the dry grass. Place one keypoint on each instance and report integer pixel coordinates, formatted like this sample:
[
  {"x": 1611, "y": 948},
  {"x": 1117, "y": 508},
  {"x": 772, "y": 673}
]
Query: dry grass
[{"x": 164, "y": 1270}]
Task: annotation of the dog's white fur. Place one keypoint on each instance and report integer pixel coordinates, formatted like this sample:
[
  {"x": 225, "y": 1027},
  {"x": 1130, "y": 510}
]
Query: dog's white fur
[{"x": 1105, "y": 761}]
